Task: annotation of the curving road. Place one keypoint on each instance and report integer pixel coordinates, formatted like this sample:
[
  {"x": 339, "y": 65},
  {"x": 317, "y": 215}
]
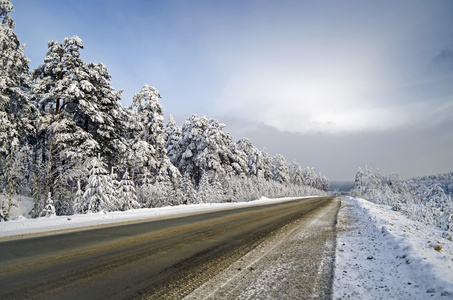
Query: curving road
[{"x": 156, "y": 259}]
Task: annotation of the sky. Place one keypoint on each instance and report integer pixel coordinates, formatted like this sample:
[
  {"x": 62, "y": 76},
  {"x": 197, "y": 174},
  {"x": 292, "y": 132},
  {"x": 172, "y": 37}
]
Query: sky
[{"x": 334, "y": 85}]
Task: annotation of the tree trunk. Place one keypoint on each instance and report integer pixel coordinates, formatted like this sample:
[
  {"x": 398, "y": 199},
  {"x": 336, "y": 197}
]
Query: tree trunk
[{"x": 10, "y": 194}]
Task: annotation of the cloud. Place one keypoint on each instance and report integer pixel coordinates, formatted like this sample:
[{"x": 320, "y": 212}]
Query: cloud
[
  {"x": 409, "y": 150},
  {"x": 300, "y": 95}
]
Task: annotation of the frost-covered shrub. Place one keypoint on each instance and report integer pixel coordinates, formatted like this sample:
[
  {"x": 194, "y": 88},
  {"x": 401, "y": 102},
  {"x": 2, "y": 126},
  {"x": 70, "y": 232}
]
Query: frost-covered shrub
[
  {"x": 427, "y": 199},
  {"x": 49, "y": 208}
]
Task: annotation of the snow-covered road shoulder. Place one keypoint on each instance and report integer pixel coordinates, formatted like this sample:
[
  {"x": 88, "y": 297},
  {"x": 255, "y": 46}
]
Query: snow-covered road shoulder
[
  {"x": 22, "y": 227},
  {"x": 382, "y": 254}
]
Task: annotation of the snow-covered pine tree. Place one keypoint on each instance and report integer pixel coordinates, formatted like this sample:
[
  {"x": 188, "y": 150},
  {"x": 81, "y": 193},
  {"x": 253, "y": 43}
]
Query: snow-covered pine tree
[
  {"x": 267, "y": 163},
  {"x": 310, "y": 177},
  {"x": 74, "y": 147},
  {"x": 280, "y": 171},
  {"x": 78, "y": 200},
  {"x": 325, "y": 183},
  {"x": 101, "y": 114},
  {"x": 15, "y": 108},
  {"x": 191, "y": 144},
  {"x": 144, "y": 189},
  {"x": 3, "y": 212},
  {"x": 150, "y": 141},
  {"x": 236, "y": 158},
  {"x": 56, "y": 82},
  {"x": 115, "y": 185},
  {"x": 205, "y": 190},
  {"x": 253, "y": 157},
  {"x": 173, "y": 136},
  {"x": 58, "y": 90},
  {"x": 296, "y": 174},
  {"x": 150, "y": 115},
  {"x": 49, "y": 208},
  {"x": 205, "y": 147},
  {"x": 127, "y": 198},
  {"x": 187, "y": 189},
  {"x": 158, "y": 194},
  {"x": 322, "y": 183},
  {"x": 141, "y": 160},
  {"x": 99, "y": 192},
  {"x": 81, "y": 112},
  {"x": 16, "y": 165}
]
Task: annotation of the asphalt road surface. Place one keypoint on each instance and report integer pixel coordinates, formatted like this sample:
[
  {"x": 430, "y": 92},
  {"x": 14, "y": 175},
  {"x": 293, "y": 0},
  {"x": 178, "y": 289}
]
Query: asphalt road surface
[{"x": 159, "y": 259}]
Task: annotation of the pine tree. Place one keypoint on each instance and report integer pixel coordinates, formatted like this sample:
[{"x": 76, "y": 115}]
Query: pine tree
[
  {"x": 81, "y": 116},
  {"x": 144, "y": 189},
  {"x": 49, "y": 208},
  {"x": 151, "y": 137},
  {"x": 310, "y": 177},
  {"x": 205, "y": 147},
  {"x": 173, "y": 136},
  {"x": 58, "y": 91},
  {"x": 78, "y": 200},
  {"x": 254, "y": 159},
  {"x": 127, "y": 197},
  {"x": 56, "y": 81},
  {"x": 150, "y": 116},
  {"x": 15, "y": 107},
  {"x": 73, "y": 148},
  {"x": 16, "y": 111},
  {"x": 280, "y": 170},
  {"x": 3, "y": 212},
  {"x": 296, "y": 174},
  {"x": 267, "y": 164},
  {"x": 99, "y": 192},
  {"x": 205, "y": 190},
  {"x": 18, "y": 173},
  {"x": 187, "y": 189},
  {"x": 101, "y": 114}
]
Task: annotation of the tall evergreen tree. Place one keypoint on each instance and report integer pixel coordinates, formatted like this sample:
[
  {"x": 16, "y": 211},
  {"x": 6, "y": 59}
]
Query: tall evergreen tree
[
  {"x": 58, "y": 90},
  {"x": 173, "y": 136},
  {"x": 81, "y": 117},
  {"x": 280, "y": 171},
  {"x": 254, "y": 158},
  {"x": 149, "y": 116},
  {"x": 205, "y": 147},
  {"x": 101, "y": 114},
  {"x": 296, "y": 174},
  {"x": 15, "y": 108}
]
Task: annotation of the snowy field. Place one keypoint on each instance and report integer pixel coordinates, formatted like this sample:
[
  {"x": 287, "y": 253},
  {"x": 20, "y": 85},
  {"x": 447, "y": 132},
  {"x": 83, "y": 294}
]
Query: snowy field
[{"x": 381, "y": 254}]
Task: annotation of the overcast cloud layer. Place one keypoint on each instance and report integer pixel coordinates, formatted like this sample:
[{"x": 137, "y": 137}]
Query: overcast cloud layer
[{"x": 332, "y": 84}]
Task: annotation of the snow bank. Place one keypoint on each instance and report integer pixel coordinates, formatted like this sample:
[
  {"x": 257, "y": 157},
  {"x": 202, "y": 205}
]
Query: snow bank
[
  {"x": 21, "y": 206},
  {"x": 22, "y": 226},
  {"x": 382, "y": 254}
]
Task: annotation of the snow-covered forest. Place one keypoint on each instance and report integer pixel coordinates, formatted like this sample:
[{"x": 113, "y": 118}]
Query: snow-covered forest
[
  {"x": 67, "y": 142},
  {"x": 427, "y": 199}
]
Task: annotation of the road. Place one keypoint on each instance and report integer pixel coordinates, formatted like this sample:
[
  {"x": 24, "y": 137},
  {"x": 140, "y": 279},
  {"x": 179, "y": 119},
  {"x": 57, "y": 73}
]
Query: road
[{"x": 158, "y": 259}]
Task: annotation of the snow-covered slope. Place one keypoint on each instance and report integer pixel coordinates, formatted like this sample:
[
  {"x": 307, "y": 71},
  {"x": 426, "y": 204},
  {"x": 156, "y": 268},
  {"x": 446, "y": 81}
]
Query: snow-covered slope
[{"x": 381, "y": 254}]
